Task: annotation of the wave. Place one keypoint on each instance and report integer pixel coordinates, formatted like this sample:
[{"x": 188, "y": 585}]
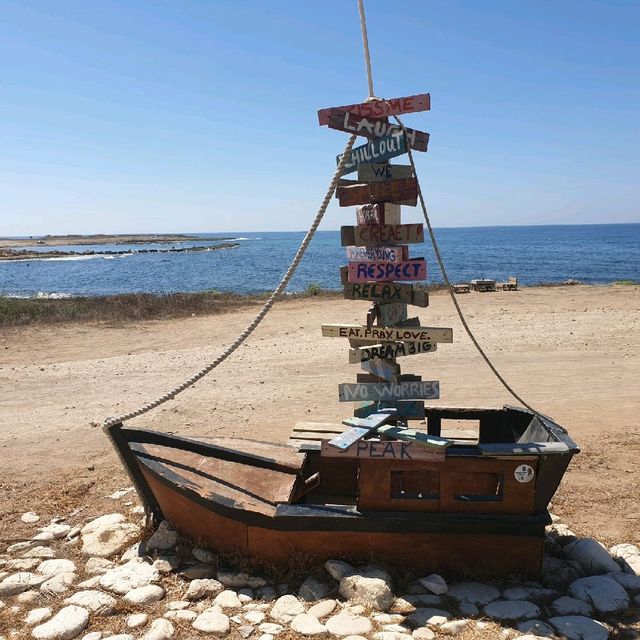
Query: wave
[
  {"x": 238, "y": 239},
  {"x": 53, "y": 295}
]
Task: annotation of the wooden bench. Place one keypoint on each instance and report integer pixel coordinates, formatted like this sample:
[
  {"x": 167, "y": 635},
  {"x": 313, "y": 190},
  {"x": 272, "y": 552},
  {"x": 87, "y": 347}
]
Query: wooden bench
[
  {"x": 462, "y": 287},
  {"x": 510, "y": 285},
  {"x": 306, "y": 433},
  {"x": 482, "y": 284}
]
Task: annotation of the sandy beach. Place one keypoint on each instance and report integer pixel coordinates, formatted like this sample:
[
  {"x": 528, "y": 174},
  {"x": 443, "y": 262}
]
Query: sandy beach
[{"x": 572, "y": 352}]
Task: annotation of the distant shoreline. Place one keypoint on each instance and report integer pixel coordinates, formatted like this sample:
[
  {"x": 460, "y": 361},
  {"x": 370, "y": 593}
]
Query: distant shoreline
[{"x": 100, "y": 238}]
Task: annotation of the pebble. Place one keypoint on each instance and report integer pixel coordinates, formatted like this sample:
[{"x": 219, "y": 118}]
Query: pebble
[
  {"x": 254, "y": 617},
  {"x": 369, "y": 592},
  {"x": 435, "y": 583},
  {"x": 537, "y": 627},
  {"x": 203, "y": 588},
  {"x": 119, "y": 636},
  {"x": 566, "y": 606},
  {"x": 511, "y": 610},
  {"x": 385, "y": 618},
  {"x": 163, "y": 538},
  {"x": 307, "y": 625},
  {"x": 240, "y": 579},
  {"x": 199, "y": 572},
  {"x": 136, "y": 620},
  {"x": 53, "y": 531},
  {"x": 94, "y": 635},
  {"x": 286, "y": 608},
  {"x": 54, "y": 567},
  {"x": 313, "y": 589},
  {"x": 423, "y": 633},
  {"x": 474, "y": 592},
  {"x": 65, "y": 625},
  {"x": 160, "y": 629},
  {"x": 227, "y": 599},
  {"x": 96, "y": 601},
  {"x": 184, "y": 615},
  {"x": 579, "y": 628},
  {"x": 39, "y": 552},
  {"x": 27, "y": 597},
  {"x": 22, "y": 564},
  {"x": 424, "y": 616},
  {"x": 347, "y": 624},
  {"x": 97, "y": 566},
  {"x": 19, "y": 582},
  {"x": 454, "y": 627},
  {"x": 592, "y": 556},
  {"x": 203, "y": 555},
  {"x": 212, "y": 620},
  {"x": 145, "y": 595},
  {"x": 36, "y": 616},
  {"x": 391, "y": 635},
  {"x": 266, "y": 636},
  {"x": 624, "y": 551},
  {"x": 176, "y": 605},
  {"x": 29, "y": 517},
  {"x": 108, "y": 535},
  {"x": 135, "y": 573},
  {"x": 402, "y": 605},
  {"x": 58, "y": 584},
  {"x": 120, "y": 493},
  {"x": 245, "y": 595},
  {"x": 338, "y": 569},
  {"x": 271, "y": 628},
  {"x": 605, "y": 594}
]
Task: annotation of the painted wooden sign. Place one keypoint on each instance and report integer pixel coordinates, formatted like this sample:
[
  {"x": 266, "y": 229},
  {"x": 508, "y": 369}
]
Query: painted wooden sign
[
  {"x": 435, "y": 443},
  {"x": 370, "y": 214},
  {"x": 384, "y": 368},
  {"x": 386, "y": 171},
  {"x": 392, "y": 314},
  {"x": 376, "y": 235},
  {"x": 373, "y": 128},
  {"x": 388, "y": 334},
  {"x": 378, "y": 150},
  {"x": 381, "y": 108},
  {"x": 385, "y": 449},
  {"x": 386, "y": 292},
  {"x": 388, "y": 254},
  {"x": 360, "y": 427},
  {"x": 387, "y": 271},
  {"x": 389, "y": 350},
  {"x": 404, "y": 191},
  {"x": 391, "y": 213},
  {"x": 407, "y": 409},
  {"x": 424, "y": 390}
]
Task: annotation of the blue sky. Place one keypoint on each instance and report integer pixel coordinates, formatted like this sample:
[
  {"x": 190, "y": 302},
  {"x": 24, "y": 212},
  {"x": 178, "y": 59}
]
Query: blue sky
[{"x": 169, "y": 116}]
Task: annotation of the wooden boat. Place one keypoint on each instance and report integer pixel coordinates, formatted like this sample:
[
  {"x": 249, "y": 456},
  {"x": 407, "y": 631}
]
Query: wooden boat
[{"x": 468, "y": 500}]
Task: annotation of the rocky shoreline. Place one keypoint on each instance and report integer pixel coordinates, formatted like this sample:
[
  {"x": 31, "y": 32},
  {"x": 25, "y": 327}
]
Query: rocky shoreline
[{"x": 106, "y": 580}]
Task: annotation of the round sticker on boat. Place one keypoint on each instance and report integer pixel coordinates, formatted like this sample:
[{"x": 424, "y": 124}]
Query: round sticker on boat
[{"x": 524, "y": 473}]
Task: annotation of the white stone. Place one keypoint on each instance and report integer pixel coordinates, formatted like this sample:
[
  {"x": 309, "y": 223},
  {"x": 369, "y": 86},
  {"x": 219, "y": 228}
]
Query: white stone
[
  {"x": 347, "y": 624},
  {"x": 163, "y": 538},
  {"x": 254, "y": 617},
  {"x": 95, "y": 601},
  {"x": 145, "y": 595},
  {"x": 66, "y": 624},
  {"x": 423, "y": 633},
  {"x": 184, "y": 615},
  {"x": 605, "y": 594},
  {"x": 592, "y": 556},
  {"x": 354, "y": 638},
  {"x": 227, "y": 599},
  {"x": 91, "y": 583},
  {"x": 530, "y": 636},
  {"x": 22, "y": 564},
  {"x": 537, "y": 627},
  {"x": 245, "y": 595},
  {"x": 561, "y": 534},
  {"x": 119, "y": 636},
  {"x": 19, "y": 582},
  {"x": 40, "y": 552},
  {"x": 213, "y": 621},
  {"x": 509, "y": 610},
  {"x": 160, "y": 629},
  {"x": 434, "y": 583},
  {"x": 528, "y": 592},
  {"x": 356, "y": 609},
  {"x": 54, "y": 567},
  {"x": 198, "y": 572},
  {"x": 338, "y": 569},
  {"x": 424, "y": 616},
  {"x": 21, "y": 546},
  {"x": 391, "y": 635},
  {"x": 631, "y": 565},
  {"x": 476, "y": 593},
  {"x": 136, "y": 551},
  {"x": 203, "y": 555},
  {"x": 579, "y": 628},
  {"x": 53, "y": 531},
  {"x": 167, "y": 564},
  {"x": 29, "y": 517},
  {"x": 27, "y": 597},
  {"x": 135, "y": 573},
  {"x": 245, "y": 630},
  {"x": 271, "y": 628},
  {"x": 203, "y": 588},
  {"x": 369, "y": 592},
  {"x": 108, "y": 535},
  {"x": 624, "y": 551},
  {"x": 286, "y": 608},
  {"x": 97, "y": 566},
  {"x": 120, "y": 493},
  {"x": 454, "y": 627},
  {"x": 307, "y": 625},
  {"x": 36, "y": 616},
  {"x": 266, "y": 636},
  {"x": 386, "y": 618},
  {"x": 313, "y": 589},
  {"x": 137, "y": 620},
  {"x": 58, "y": 584},
  {"x": 94, "y": 635},
  {"x": 566, "y": 606}
]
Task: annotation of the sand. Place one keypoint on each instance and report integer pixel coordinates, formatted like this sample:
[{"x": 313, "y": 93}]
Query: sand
[{"x": 572, "y": 352}]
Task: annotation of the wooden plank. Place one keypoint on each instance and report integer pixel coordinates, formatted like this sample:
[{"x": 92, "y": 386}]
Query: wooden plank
[
  {"x": 346, "y": 439},
  {"x": 379, "y": 150},
  {"x": 373, "y": 128},
  {"x": 370, "y": 214},
  {"x": 380, "y": 235},
  {"x": 404, "y": 190},
  {"x": 389, "y": 350},
  {"x": 388, "y": 334},
  {"x": 384, "y": 368},
  {"x": 380, "y": 108},
  {"x": 387, "y": 271},
  {"x": 418, "y": 437},
  {"x": 407, "y": 409},
  {"x": 390, "y": 292},
  {"x": 379, "y": 172},
  {"x": 391, "y": 213},
  {"x": 391, "y": 314},
  {"x": 388, "y": 254},
  {"x": 373, "y": 421},
  {"x": 424, "y": 390},
  {"x": 385, "y": 449},
  {"x": 405, "y": 377}
]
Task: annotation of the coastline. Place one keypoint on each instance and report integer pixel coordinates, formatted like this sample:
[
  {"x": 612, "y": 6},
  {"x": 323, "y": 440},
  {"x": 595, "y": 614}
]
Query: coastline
[{"x": 99, "y": 238}]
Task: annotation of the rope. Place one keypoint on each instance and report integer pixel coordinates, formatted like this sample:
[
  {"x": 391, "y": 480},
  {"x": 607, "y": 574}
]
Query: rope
[
  {"x": 365, "y": 45},
  {"x": 263, "y": 312},
  {"x": 447, "y": 282}
]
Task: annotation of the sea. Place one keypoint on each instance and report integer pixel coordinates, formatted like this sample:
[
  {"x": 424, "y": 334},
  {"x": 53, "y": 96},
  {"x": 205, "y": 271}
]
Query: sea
[{"x": 591, "y": 254}]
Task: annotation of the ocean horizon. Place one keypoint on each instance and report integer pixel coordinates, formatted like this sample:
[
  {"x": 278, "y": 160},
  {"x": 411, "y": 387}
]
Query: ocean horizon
[{"x": 535, "y": 254}]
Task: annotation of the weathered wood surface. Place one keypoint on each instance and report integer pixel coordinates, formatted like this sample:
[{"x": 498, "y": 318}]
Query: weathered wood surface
[
  {"x": 424, "y": 390},
  {"x": 380, "y": 108},
  {"x": 392, "y": 314},
  {"x": 307, "y": 432},
  {"x": 385, "y": 171},
  {"x": 407, "y": 409},
  {"x": 392, "y": 213},
  {"x": 418, "y": 437},
  {"x": 379, "y": 150},
  {"x": 388, "y": 254},
  {"x": 382, "y": 292},
  {"x": 374, "y": 235},
  {"x": 385, "y": 449},
  {"x": 390, "y": 350},
  {"x": 384, "y": 368},
  {"x": 387, "y": 271},
  {"x": 370, "y": 214},
  {"x": 404, "y": 191},
  {"x": 405, "y": 377},
  {"x": 373, "y": 128},
  {"x": 388, "y": 334}
]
